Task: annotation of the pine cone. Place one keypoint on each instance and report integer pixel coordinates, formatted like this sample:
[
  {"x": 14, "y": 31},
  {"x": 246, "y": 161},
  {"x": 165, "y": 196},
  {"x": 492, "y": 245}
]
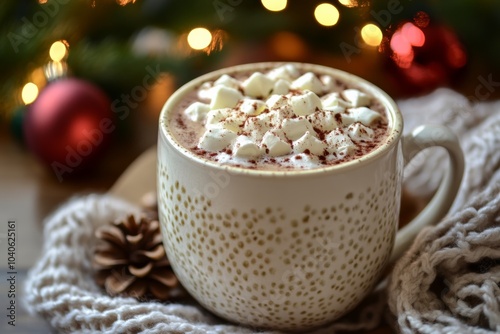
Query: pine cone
[{"x": 130, "y": 259}]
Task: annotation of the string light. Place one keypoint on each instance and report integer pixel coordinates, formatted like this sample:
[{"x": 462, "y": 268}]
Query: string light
[
  {"x": 326, "y": 14},
  {"x": 371, "y": 34},
  {"x": 274, "y": 5},
  {"x": 29, "y": 93},
  {"x": 199, "y": 38},
  {"x": 58, "y": 51}
]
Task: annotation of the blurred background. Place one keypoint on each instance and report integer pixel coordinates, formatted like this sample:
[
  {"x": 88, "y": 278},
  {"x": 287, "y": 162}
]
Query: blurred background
[
  {"x": 125, "y": 57},
  {"x": 83, "y": 81}
]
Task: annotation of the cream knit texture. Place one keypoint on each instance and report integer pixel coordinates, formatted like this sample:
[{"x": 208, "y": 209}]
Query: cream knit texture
[{"x": 448, "y": 282}]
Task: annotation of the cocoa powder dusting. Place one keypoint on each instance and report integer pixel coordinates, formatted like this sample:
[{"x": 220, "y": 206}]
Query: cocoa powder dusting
[
  {"x": 189, "y": 132},
  {"x": 338, "y": 118}
]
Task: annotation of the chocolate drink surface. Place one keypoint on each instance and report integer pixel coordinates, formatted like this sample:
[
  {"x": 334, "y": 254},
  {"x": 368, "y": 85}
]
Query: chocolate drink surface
[{"x": 283, "y": 118}]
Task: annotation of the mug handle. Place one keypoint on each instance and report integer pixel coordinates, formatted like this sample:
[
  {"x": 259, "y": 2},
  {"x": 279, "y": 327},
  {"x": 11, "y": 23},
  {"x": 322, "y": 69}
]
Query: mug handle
[{"x": 423, "y": 137}]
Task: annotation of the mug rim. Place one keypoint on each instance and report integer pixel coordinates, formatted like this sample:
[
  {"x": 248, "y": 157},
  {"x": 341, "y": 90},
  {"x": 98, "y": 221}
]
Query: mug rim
[{"x": 395, "y": 120}]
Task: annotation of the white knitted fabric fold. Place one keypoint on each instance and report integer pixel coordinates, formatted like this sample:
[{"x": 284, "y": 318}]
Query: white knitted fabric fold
[{"x": 448, "y": 281}]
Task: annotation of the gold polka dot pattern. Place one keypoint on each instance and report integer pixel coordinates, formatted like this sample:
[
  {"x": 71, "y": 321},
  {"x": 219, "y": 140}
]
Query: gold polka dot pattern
[{"x": 263, "y": 266}]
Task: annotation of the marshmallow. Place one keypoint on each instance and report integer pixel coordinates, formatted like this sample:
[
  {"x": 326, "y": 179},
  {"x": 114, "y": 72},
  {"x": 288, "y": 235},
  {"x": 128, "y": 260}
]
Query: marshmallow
[
  {"x": 356, "y": 98},
  {"x": 335, "y": 110},
  {"x": 364, "y": 115},
  {"x": 252, "y": 107},
  {"x": 216, "y": 116},
  {"x": 274, "y": 146},
  {"x": 276, "y": 101},
  {"x": 280, "y": 115},
  {"x": 205, "y": 91},
  {"x": 244, "y": 147},
  {"x": 286, "y": 72},
  {"x": 225, "y": 97},
  {"x": 271, "y": 118},
  {"x": 305, "y": 104},
  {"x": 310, "y": 143},
  {"x": 305, "y": 161},
  {"x": 281, "y": 87},
  {"x": 197, "y": 111},
  {"x": 323, "y": 120},
  {"x": 227, "y": 81},
  {"x": 359, "y": 132},
  {"x": 234, "y": 123},
  {"x": 328, "y": 83},
  {"x": 308, "y": 81},
  {"x": 296, "y": 127},
  {"x": 333, "y": 100},
  {"x": 216, "y": 139},
  {"x": 258, "y": 85},
  {"x": 340, "y": 143},
  {"x": 257, "y": 126}
]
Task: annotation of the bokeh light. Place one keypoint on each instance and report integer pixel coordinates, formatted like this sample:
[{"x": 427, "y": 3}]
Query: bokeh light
[
  {"x": 403, "y": 41},
  {"x": 413, "y": 34},
  {"x": 124, "y": 2},
  {"x": 403, "y": 51},
  {"x": 29, "y": 93},
  {"x": 326, "y": 14},
  {"x": 371, "y": 34},
  {"x": 288, "y": 46},
  {"x": 199, "y": 38},
  {"x": 349, "y": 3},
  {"x": 38, "y": 77},
  {"x": 58, "y": 51},
  {"x": 274, "y": 5},
  {"x": 422, "y": 19}
]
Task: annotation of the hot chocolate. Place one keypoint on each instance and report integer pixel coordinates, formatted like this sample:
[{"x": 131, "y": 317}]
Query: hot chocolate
[{"x": 281, "y": 118}]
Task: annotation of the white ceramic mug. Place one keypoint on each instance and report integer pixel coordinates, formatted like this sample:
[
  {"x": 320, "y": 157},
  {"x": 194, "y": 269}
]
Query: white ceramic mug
[{"x": 291, "y": 249}]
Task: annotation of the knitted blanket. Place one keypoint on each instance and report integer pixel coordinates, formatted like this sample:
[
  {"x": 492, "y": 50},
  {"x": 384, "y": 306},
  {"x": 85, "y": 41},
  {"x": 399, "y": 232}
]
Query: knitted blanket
[{"x": 447, "y": 282}]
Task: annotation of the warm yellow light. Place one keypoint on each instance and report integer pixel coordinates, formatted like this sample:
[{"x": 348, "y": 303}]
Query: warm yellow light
[
  {"x": 274, "y": 5},
  {"x": 29, "y": 93},
  {"x": 371, "y": 34},
  {"x": 58, "y": 51},
  {"x": 38, "y": 77},
  {"x": 326, "y": 14},
  {"x": 199, "y": 38},
  {"x": 349, "y": 3},
  {"x": 288, "y": 46},
  {"x": 124, "y": 2}
]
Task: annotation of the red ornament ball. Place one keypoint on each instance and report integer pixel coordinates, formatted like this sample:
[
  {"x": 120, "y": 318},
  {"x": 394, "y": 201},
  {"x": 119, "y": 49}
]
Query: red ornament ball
[
  {"x": 422, "y": 58},
  {"x": 69, "y": 125}
]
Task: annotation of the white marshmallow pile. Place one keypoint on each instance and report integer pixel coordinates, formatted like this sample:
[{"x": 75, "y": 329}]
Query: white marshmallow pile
[{"x": 282, "y": 113}]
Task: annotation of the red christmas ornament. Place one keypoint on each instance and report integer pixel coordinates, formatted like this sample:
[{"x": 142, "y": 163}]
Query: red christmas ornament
[
  {"x": 422, "y": 57},
  {"x": 69, "y": 125}
]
